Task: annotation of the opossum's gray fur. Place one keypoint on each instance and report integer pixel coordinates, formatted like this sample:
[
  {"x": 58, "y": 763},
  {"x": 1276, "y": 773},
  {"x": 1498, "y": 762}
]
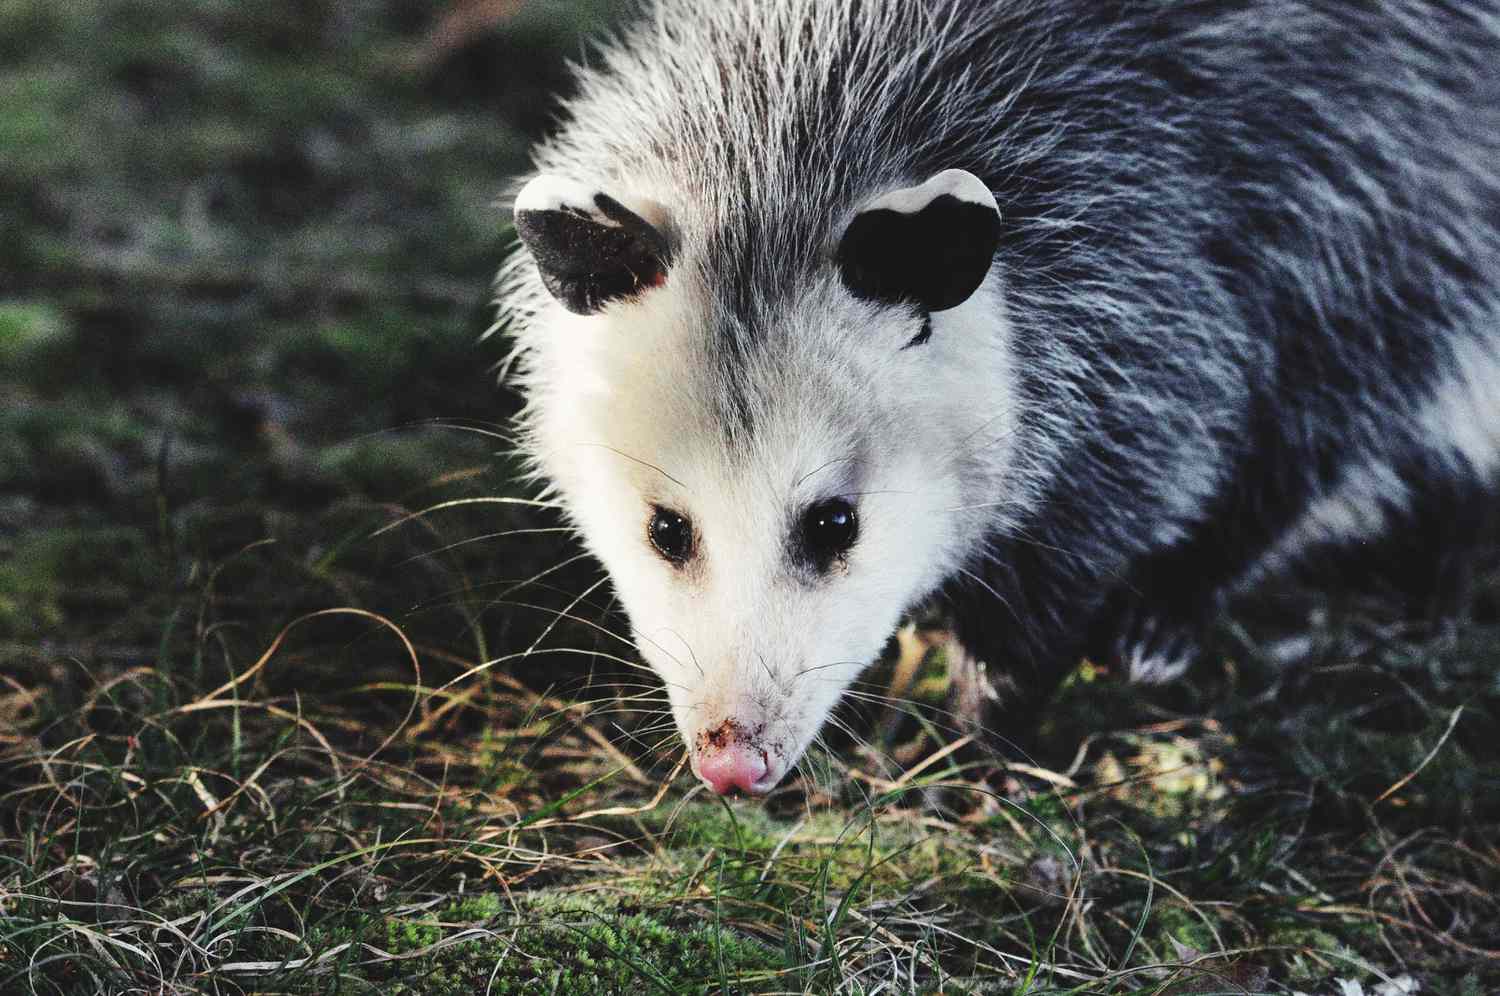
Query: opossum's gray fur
[{"x": 1250, "y": 261}]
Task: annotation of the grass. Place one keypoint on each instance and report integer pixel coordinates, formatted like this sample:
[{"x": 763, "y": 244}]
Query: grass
[
  {"x": 299, "y": 691},
  {"x": 291, "y": 824}
]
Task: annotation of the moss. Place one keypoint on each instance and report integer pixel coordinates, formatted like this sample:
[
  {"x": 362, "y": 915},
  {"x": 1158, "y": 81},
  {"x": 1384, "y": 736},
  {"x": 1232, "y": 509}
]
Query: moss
[
  {"x": 575, "y": 944},
  {"x": 485, "y": 906},
  {"x": 1183, "y": 926},
  {"x": 403, "y": 934},
  {"x": 1306, "y": 970},
  {"x": 176, "y": 903}
]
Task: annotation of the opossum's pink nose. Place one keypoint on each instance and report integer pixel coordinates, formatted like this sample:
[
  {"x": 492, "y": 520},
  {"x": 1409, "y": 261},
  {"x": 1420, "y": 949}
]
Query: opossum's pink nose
[{"x": 733, "y": 766}]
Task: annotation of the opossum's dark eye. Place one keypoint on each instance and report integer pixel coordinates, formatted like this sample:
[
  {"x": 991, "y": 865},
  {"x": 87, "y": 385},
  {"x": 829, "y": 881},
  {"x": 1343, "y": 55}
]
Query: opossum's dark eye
[
  {"x": 829, "y": 529},
  {"x": 671, "y": 534}
]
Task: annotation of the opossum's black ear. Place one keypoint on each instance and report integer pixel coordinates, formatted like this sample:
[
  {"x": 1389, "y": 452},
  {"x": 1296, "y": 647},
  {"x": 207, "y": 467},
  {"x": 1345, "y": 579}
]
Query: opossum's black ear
[
  {"x": 930, "y": 245},
  {"x": 589, "y": 248}
]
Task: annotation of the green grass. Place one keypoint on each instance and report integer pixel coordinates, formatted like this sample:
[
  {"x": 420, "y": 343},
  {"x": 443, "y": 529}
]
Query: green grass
[{"x": 300, "y": 693}]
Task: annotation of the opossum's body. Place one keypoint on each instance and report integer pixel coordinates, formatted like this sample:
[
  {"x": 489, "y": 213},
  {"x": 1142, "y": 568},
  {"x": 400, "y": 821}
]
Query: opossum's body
[{"x": 1243, "y": 301}]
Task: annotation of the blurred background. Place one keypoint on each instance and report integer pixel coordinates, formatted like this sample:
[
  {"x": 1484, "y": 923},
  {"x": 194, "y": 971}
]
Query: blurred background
[{"x": 245, "y": 269}]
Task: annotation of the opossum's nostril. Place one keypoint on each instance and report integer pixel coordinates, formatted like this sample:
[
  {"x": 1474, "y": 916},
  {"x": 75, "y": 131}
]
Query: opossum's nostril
[{"x": 733, "y": 766}]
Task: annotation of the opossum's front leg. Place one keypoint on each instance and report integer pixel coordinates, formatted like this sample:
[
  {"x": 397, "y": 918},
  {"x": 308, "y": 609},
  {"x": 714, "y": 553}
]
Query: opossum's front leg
[
  {"x": 999, "y": 704},
  {"x": 1020, "y": 625},
  {"x": 1025, "y": 619}
]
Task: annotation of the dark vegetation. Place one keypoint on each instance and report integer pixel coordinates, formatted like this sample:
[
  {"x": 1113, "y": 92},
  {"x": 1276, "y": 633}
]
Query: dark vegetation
[{"x": 300, "y": 693}]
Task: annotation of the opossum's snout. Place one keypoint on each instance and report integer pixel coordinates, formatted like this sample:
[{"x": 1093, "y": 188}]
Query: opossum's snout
[{"x": 732, "y": 757}]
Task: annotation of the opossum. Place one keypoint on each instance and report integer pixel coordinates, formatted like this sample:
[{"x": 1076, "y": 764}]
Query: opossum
[{"x": 1072, "y": 317}]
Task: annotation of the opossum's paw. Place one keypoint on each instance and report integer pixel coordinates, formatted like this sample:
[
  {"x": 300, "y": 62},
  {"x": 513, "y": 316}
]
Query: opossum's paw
[
  {"x": 973, "y": 690},
  {"x": 991, "y": 703},
  {"x": 1154, "y": 649}
]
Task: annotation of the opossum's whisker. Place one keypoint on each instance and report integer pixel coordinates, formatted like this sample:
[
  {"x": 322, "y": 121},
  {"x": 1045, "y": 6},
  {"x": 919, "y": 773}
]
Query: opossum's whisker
[
  {"x": 539, "y": 575},
  {"x": 660, "y": 732},
  {"x": 648, "y": 743},
  {"x": 493, "y": 430},
  {"x": 650, "y": 702},
  {"x": 612, "y": 691},
  {"x": 641, "y": 704},
  {"x": 656, "y": 726},
  {"x": 979, "y": 504},
  {"x": 651, "y": 687},
  {"x": 962, "y": 449},
  {"x": 579, "y": 651},
  {"x": 610, "y": 605},
  {"x": 652, "y": 737},
  {"x": 992, "y": 442},
  {"x": 465, "y": 594},
  {"x": 943, "y": 720},
  {"x": 876, "y": 698},
  {"x": 821, "y": 667},
  {"x": 594, "y": 651},
  {"x": 470, "y": 590},
  {"x": 485, "y": 586},
  {"x": 989, "y": 588},
  {"x": 849, "y": 731},
  {"x": 621, "y": 702},
  {"x": 1021, "y": 536},
  {"x": 845, "y": 663},
  {"x": 486, "y": 665},
  {"x": 455, "y": 502},
  {"x": 661, "y": 720},
  {"x": 766, "y": 667},
  {"x": 816, "y": 764},
  {"x": 665, "y": 683},
  {"x": 870, "y": 691},
  {"x": 581, "y": 620},
  {"x": 634, "y": 739},
  {"x": 639, "y": 667},
  {"x": 675, "y": 659},
  {"x": 958, "y": 447},
  {"x": 658, "y": 713},
  {"x": 635, "y": 711},
  {"x": 663, "y": 724},
  {"x": 665, "y": 744},
  {"x": 565, "y": 613},
  {"x": 643, "y": 463},
  {"x": 819, "y": 470},
  {"x": 480, "y": 539}
]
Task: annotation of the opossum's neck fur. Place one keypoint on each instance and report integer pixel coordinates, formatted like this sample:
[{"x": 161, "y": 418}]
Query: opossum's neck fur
[{"x": 1234, "y": 243}]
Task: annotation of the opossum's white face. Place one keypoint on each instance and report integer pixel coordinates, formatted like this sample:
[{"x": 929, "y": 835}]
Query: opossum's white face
[{"x": 766, "y": 519}]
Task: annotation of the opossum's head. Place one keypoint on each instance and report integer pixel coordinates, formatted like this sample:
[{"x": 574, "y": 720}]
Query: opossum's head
[{"x": 771, "y": 486}]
